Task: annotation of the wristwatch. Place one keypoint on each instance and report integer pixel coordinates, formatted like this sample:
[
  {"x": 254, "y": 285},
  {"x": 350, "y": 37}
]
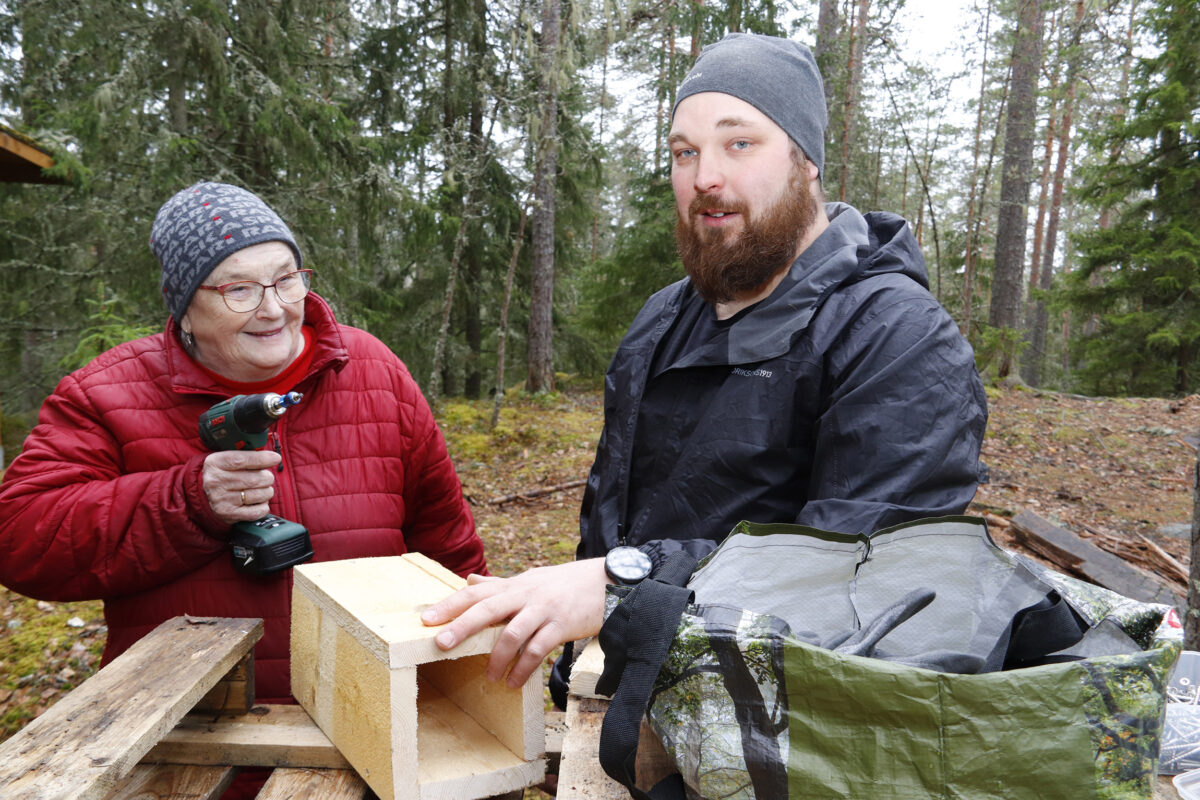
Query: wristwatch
[{"x": 627, "y": 566}]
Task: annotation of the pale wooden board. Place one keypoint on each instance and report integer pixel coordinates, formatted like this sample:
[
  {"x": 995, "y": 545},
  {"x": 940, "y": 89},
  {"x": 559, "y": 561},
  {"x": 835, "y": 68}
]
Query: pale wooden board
[
  {"x": 96, "y": 734},
  {"x": 586, "y": 668},
  {"x": 313, "y": 784},
  {"x": 268, "y": 736},
  {"x": 458, "y": 758},
  {"x": 379, "y": 600},
  {"x": 149, "y": 782},
  {"x": 493, "y": 705}
]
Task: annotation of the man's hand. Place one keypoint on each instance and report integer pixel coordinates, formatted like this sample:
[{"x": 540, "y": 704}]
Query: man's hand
[
  {"x": 545, "y": 607},
  {"x": 239, "y": 483}
]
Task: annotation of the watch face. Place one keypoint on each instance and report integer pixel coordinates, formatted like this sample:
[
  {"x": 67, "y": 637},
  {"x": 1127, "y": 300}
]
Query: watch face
[{"x": 627, "y": 565}]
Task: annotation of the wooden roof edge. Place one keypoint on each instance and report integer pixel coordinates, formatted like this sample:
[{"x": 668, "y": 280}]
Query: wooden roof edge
[{"x": 24, "y": 147}]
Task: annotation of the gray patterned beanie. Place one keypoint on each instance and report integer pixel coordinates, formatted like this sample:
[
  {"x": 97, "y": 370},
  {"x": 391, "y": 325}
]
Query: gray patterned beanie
[
  {"x": 203, "y": 225},
  {"x": 777, "y": 76}
]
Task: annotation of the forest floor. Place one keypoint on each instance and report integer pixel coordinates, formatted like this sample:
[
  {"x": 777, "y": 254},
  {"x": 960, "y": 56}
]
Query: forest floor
[{"x": 1097, "y": 466}]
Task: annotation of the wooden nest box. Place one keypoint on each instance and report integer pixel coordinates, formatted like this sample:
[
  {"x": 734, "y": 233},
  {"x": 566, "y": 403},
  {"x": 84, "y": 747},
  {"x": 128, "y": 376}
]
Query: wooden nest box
[{"x": 414, "y": 721}]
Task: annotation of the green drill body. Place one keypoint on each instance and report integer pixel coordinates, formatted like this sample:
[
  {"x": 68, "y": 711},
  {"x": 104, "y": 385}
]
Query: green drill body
[{"x": 270, "y": 543}]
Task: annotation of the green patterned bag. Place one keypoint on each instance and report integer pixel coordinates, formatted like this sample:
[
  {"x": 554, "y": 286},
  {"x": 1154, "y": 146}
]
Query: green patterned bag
[{"x": 920, "y": 662}]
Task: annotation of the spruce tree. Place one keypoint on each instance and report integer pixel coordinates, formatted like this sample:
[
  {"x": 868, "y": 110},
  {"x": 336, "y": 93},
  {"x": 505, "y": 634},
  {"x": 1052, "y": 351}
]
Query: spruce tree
[{"x": 1141, "y": 277}]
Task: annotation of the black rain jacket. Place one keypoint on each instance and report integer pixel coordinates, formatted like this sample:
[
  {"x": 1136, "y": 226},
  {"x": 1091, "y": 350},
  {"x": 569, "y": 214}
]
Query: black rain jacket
[{"x": 847, "y": 400}]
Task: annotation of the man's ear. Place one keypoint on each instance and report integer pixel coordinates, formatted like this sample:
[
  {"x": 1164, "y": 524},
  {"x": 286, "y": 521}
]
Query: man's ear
[
  {"x": 811, "y": 171},
  {"x": 185, "y": 324}
]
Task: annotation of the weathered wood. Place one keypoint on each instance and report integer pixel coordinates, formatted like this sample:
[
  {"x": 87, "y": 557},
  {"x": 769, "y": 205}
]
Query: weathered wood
[
  {"x": 580, "y": 776},
  {"x": 269, "y": 736},
  {"x": 556, "y": 728},
  {"x": 313, "y": 784},
  {"x": 1086, "y": 560},
  {"x": 414, "y": 721},
  {"x": 234, "y": 694},
  {"x": 150, "y": 782},
  {"x": 97, "y": 733},
  {"x": 1164, "y": 789}
]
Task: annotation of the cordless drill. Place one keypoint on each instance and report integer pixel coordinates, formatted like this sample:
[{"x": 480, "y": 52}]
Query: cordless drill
[{"x": 270, "y": 543}]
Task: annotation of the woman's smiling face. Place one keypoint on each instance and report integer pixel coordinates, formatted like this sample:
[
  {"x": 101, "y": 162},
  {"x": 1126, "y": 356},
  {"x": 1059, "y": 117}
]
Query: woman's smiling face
[{"x": 248, "y": 346}]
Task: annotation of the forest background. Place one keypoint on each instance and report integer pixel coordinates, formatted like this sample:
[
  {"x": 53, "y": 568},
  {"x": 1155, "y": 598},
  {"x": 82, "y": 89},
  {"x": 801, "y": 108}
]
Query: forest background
[{"x": 485, "y": 186}]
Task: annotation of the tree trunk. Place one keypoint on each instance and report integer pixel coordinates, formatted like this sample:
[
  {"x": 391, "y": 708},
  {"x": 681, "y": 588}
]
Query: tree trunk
[
  {"x": 439, "y": 347},
  {"x": 826, "y": 45},
  {"x": 1014, "y": 188},
  {"x": 853, "y": 88},
  {"x": 473, "y": 277},
  {"x": 1041, "y": 314},
  {"x": 973, "y": 202},
  {"x": 1191, "y": 620},
  {"x": 502, "y": 343},
  {"x": 541, "y": 297}
]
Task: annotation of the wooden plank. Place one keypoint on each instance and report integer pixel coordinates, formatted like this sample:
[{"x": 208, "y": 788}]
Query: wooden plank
[
  {"x": 235, "y": 692},
  {"x": 269, "y": 736},
  {"x": 580, "y": 776},
  {"x": 313, "y": 784},
  {"x": 1164, "y": 789},
  {"x": 148, "y": 782},
  {"x": 587, "y": 667},
  {"x": 95, "y": 735},
  {"x": 1086, "y": 560}
]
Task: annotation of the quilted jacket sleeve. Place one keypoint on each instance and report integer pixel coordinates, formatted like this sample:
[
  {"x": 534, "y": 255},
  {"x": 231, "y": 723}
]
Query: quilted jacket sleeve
[
  {"x": 439, "y": 522},
  {"x": 74, "y": 526},
  {"x": 904, "y": 414}
]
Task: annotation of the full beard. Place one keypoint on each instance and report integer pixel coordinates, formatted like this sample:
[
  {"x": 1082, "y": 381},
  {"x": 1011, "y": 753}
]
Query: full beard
[{"x": 723, "y": 265}]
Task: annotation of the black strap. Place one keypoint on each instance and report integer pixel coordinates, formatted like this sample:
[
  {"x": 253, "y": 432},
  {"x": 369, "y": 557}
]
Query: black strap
[
  {"x": 635, "y": 639},
  {"x": 1043, "y": 628}
]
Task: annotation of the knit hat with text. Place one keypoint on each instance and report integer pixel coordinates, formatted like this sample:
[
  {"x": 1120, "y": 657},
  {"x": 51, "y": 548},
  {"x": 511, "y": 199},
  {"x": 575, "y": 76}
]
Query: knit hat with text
[
  {"x": 203, "y": 225},
  {"x": 777, "y": 76}
]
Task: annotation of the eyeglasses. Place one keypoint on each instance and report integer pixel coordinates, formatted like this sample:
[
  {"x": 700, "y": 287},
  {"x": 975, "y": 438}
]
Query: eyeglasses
[{"x": 243, "y": 296}]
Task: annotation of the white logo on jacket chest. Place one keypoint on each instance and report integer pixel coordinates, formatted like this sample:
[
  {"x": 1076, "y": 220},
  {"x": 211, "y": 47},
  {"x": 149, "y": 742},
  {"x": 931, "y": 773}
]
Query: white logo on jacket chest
[{"x": 747, "y": 373}]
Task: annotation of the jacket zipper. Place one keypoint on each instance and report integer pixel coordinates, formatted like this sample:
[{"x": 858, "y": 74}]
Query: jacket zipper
[{"x": 284, "y": 494}]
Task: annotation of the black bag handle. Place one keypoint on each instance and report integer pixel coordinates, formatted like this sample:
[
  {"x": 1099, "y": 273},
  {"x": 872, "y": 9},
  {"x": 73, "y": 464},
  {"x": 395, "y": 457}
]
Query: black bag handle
[{"x": 635, "y": 639}]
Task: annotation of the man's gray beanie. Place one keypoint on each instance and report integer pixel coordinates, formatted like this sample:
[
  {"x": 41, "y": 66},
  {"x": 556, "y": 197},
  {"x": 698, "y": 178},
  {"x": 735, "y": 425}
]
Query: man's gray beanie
[
  {"x": 777, "y": 76},
  {"x": 203, "y": 225}
]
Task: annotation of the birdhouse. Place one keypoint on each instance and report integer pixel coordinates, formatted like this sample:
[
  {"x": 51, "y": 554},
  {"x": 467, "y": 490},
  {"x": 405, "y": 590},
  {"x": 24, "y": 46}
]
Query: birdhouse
[{"x": 414, "y": 721}]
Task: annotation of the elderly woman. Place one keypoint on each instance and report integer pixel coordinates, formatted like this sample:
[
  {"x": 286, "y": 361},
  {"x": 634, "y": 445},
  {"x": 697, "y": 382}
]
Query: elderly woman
[{"x": 114, "y": 496}]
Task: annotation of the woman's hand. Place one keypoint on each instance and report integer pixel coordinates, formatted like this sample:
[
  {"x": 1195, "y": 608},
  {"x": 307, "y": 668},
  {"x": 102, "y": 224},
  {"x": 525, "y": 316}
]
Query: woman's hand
[
  {"x": 240, "y": 483},
  {"x": 545, "y": 607}
]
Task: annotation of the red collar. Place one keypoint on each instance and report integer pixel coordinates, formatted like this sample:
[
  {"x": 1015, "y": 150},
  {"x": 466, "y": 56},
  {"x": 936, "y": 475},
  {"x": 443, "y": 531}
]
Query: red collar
[{"x": 282, "y": 383}]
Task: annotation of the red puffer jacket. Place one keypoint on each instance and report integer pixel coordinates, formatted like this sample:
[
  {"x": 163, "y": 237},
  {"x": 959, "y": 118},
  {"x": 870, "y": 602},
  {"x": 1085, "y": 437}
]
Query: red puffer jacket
[{"x": 105, "y": 500}]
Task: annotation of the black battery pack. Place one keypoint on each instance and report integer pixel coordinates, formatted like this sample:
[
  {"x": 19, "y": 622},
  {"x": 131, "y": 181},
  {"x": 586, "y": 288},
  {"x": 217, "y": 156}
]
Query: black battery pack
[{"x": 269, "y": 544}]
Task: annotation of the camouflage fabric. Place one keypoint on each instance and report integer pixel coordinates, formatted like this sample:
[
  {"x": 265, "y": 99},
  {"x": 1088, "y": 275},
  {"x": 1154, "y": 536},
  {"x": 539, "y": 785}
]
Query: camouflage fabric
[{"x": 749, "y": 707}]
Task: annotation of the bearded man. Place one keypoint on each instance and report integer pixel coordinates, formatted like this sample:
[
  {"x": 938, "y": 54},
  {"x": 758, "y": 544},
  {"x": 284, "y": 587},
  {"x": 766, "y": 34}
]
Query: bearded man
[{"x": 801, "y": 373}]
